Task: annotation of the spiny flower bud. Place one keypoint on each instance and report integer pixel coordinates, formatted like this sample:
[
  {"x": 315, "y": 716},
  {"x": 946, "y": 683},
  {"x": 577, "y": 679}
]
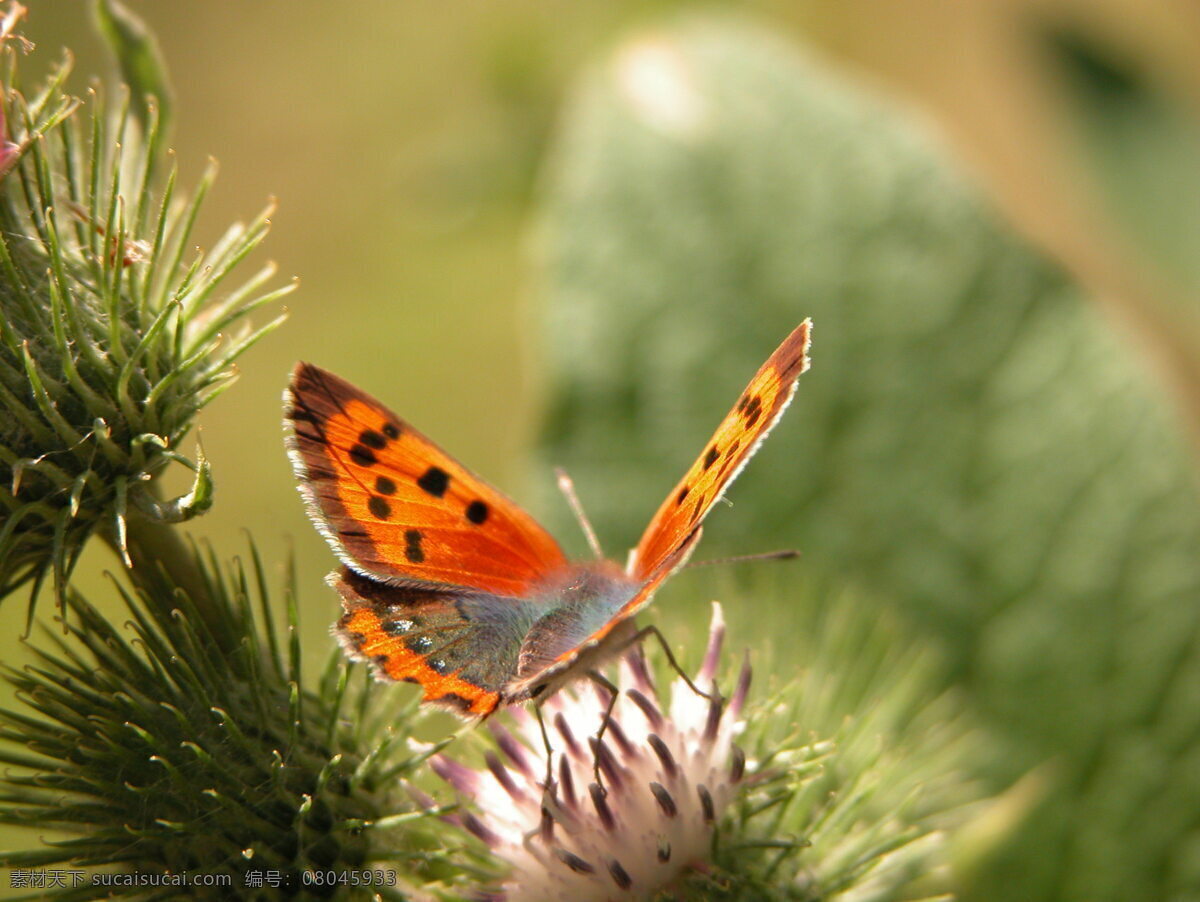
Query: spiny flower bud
[{"x": 112, "y": 331}]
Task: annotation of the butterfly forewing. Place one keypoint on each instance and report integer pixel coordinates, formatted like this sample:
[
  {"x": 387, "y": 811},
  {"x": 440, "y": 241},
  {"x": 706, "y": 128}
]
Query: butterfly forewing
[
  {"x": 735, "y": 440},
  {"x": 396, "y": 507}
]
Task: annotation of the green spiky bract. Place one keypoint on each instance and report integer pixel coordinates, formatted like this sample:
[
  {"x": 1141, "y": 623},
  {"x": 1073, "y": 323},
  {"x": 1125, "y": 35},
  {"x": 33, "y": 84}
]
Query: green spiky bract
[
  {"x": 114, "y": 329},
  {"x": 167, "y": 747},
  {"x": 859, "y": 768}
]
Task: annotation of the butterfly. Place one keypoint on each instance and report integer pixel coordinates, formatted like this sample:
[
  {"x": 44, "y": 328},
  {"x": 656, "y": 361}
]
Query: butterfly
[{"x": 448, "y": 584}]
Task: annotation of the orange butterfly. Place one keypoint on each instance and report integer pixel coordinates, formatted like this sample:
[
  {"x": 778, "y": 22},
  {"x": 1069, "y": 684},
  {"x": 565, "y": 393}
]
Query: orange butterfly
[{"x": 449, "y": 584}]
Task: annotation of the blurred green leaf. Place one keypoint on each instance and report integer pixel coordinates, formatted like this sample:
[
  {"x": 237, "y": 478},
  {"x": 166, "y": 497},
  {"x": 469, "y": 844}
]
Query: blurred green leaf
[
  {"x": 137, "y": 53},
  {"x": 972, "y": 440}
]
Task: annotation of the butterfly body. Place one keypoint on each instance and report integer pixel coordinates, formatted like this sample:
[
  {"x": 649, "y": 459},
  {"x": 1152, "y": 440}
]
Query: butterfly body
[
  {"x": 574, "y": 630},
  {"x": 448, "y": 584}
]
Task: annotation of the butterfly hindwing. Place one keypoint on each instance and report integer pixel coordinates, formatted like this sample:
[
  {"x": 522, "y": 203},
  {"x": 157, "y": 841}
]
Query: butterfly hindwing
[
  {"x": 736, "y": 439},
  {"x": 396, "y": 507},
  {"x": 462, "y": 649}
]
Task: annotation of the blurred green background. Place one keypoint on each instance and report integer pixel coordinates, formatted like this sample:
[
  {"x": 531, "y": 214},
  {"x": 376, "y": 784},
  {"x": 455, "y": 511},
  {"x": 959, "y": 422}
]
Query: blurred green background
[{"x": 568, "y": 232}]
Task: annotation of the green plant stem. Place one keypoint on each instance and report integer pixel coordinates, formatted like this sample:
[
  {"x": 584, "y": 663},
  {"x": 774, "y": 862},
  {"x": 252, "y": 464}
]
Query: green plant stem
[{"x": 168, "y": 570}]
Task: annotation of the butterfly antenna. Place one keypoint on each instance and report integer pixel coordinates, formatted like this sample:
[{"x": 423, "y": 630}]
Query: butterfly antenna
[
  {"x": 785, "y": 554},
  {"x": 567, "y": 487}
]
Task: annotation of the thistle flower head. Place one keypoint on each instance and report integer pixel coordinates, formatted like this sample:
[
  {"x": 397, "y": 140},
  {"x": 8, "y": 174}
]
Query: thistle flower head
[
  {"x": 855, "y": 772},
  {"x": 667, "y": 777}
]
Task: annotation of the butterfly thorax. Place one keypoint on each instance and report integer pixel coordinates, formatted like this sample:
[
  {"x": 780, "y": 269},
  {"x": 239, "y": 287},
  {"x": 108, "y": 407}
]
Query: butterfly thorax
[{"x": 580, "y": 605}]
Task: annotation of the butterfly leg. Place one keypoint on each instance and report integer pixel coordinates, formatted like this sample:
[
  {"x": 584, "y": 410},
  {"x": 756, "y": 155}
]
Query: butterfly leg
[
  {"x": 613, "y": 694},
  {"x": 548, "y": 786},
  {"x": 714, "y": 696}
]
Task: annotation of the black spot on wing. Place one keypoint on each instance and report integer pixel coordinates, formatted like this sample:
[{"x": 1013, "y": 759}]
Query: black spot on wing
[
  {"x": 391, "y": 430},
  {"x": 396, "y": 627},
  {"x": 453, "y": 698},
  {"x": 683, "y": 493},
  {"x": 372, "y": 439},
  {"x": 711, "y": 457},
  {"x": 385, "y": 486},
  {"x": 435, "y": 481},
  {"x": 418, "y": 644},
  {"x": 574, "y": 862},
  {"x": 363, "y": 456},
  {"x": 752, "y": 411},
  {"x": 412, "y": 549},
  {"x": 477, "y": 512},
  {"x": 379, "y": 507}
]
